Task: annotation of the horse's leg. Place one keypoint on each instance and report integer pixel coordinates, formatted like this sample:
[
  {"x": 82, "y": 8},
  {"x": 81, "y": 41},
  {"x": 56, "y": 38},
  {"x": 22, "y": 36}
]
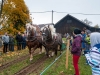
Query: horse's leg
[
  {"x": 40, "y": 50},
  {"x": 47, "y": 52},
  {"x": 31, "y": 56},
  {"x": 56, "y": 49},
  {"x": 60, "y": 49}
]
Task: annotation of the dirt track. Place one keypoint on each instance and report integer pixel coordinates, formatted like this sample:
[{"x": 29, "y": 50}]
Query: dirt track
[
  {"x": 32, "y": 67},
  {"x": 15, "y": 61}
]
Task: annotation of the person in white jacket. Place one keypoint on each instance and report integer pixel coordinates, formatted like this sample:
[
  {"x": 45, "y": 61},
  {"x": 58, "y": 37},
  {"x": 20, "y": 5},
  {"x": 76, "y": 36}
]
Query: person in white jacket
[{"x": 93, "y": 56}]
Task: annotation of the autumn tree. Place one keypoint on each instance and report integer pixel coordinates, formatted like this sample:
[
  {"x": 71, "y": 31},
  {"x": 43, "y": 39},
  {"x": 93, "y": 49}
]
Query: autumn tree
[
  {"x": 15, "y": 15},
  {"x": 96, "y": 26}
]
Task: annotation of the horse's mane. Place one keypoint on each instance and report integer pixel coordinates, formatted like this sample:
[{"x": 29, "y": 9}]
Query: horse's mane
[
  {"x": 52, "y": 28},
  {"x": 48, "y": 32},
  {"x": 36, "y": 28}
]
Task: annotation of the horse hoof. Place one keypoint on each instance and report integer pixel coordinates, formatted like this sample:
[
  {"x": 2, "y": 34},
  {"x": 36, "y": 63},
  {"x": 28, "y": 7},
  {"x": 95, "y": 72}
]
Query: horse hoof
[
  {"x": 31, "y": 60},
  {"x": 60, "y": 53},
  {"x": 49, "y": 55},
  {"x": 40, "y": 52}
]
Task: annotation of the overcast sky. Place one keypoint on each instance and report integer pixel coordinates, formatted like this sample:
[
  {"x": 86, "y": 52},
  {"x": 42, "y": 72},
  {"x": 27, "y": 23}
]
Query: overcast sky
[{"x": 70, "y": 6}]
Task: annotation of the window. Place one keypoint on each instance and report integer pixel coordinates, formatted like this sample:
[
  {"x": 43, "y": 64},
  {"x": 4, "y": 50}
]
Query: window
[{"x": 69, "y": 21}]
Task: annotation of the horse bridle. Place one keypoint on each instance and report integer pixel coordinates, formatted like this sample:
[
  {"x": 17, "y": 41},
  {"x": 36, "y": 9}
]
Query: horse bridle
[
  {"x": 48, "y": 30},
  {"x": 48, "y": 38},
  {"x": 33, "y": 37}
]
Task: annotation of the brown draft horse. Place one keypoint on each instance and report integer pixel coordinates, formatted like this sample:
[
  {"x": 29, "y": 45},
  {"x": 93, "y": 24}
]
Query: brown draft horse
[
  {"x": 34, "y": 40},
  {"x": 50, "y": 44}
]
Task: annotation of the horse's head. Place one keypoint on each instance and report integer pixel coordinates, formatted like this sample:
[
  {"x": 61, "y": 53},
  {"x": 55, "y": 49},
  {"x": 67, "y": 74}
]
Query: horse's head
[
  {"x": 30, "y": 29},
  {"x": 31, "y": 33},
  {"x": 46, "y": 33}
]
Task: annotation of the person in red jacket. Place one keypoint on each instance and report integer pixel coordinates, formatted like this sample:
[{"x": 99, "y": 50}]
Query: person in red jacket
[{"x": 76, "y": 49}]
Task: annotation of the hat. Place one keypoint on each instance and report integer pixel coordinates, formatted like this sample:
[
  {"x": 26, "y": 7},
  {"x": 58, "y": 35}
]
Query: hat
[{"x": 77, "y": 31}]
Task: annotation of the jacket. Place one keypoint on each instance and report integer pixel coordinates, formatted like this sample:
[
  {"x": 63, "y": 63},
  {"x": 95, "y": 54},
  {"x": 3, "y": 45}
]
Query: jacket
[
  {"x": 87, "y": 39},
  {"x": 93, "y": 58},
  {"x": 76, "y": 45},
  {"x": 5, "y": 39},
  {"x": 19, "y": 38}
]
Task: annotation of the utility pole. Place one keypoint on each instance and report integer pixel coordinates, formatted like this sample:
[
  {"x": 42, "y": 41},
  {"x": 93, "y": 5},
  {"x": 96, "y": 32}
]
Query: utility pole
[
  {"x": 52, "y": 16},
  {"x": 1, "y": 8}
]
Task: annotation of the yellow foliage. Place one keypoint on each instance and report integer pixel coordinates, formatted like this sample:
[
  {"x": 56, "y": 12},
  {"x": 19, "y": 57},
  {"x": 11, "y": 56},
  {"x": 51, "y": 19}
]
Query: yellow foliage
[{"x": 16, "y": 15}]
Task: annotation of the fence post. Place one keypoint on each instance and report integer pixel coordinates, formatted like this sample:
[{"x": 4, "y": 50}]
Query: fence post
[{"x": 67, "y": 52}]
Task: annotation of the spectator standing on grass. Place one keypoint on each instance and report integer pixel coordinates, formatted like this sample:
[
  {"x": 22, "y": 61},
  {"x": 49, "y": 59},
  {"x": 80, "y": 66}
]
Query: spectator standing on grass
[
  {"x": 87, "y": 31},
  {"x": 23, "y": 41},
  {"x": 87, "y": 49},
  {"x": 76, "y": 49},
  {"x": 67, "y": 36},
  {"x": 19, "y": 40},
  {"x": 93, "y": 56},
  {"x": 11, "y": 42},
  {"x": 5, "y": 39},
  {"x": 87, "y": 39},
  {"x": 83, "y": 41},
  {"x": 1, "y": 42}
]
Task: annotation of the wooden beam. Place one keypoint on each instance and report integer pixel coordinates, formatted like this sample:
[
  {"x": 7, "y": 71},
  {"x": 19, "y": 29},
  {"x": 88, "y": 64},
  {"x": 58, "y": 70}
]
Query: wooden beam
[{"x": 67, "y": 52}]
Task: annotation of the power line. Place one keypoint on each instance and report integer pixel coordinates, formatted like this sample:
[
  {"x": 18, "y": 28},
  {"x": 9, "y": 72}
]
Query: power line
[
  {"x": 77, "y": 13},
  {"x": 41, "y": 12},
  {"x": 65, "y": 12}
]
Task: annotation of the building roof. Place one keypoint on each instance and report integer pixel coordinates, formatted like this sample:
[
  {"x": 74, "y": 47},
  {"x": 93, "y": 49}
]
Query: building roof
[
  {"x": 75, "y": 19},
  {"x": 42, "y": 25}
]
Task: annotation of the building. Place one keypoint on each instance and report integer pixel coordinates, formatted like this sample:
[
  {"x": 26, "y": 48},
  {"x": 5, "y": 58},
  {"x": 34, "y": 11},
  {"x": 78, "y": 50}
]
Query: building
[
  {"x": 42, "y": 25},
  {"x": 69, "y": 23}
]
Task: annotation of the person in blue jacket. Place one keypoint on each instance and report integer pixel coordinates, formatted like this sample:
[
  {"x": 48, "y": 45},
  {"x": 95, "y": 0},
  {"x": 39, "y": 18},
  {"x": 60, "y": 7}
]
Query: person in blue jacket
[{"x": 83, "y": 41}]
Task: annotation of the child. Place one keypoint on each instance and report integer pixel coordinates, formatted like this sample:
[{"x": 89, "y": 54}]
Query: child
[
  {"x": 93, "y": 56},
  {"x": 76, "y": 49}
]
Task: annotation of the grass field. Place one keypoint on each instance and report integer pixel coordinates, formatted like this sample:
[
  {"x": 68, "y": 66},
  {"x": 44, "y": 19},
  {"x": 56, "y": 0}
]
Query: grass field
[
  {"x": 10, "y": 56},
  {"x": 18, "y": 66},
  {"x": 58, "y": 68}
]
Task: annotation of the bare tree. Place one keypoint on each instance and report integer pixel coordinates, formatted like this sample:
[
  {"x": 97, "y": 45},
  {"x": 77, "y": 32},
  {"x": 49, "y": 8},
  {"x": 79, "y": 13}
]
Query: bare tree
[
  {"x": 87, "y": 21},
  {"x": 1, "y": 6}
]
